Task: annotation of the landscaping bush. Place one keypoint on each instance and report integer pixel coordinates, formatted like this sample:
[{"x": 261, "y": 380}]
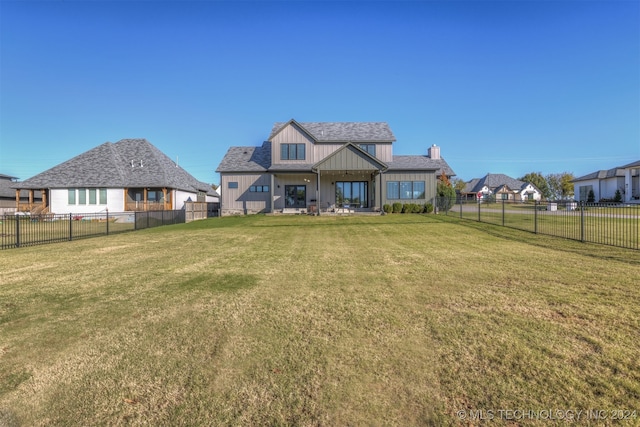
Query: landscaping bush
[
  {"x": 618, "y": 197},
  {"x": 387, "y": 208},
  {"x": 397, "y": 207},
  {"x": 427, "y": 208},
  {"x": 416, "y": 208}
]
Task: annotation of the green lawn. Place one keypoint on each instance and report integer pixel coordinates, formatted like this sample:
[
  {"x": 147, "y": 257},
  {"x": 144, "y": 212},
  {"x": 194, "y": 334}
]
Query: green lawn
[{"x": 385, "y": 320}]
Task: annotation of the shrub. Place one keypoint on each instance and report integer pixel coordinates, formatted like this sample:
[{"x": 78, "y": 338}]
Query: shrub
[
  {"x": 591, "y": 197},
  {"x": 446, "y": 196},
  {"x": 397, "y": 207},
  {"x": 427, "y": 208},
  {"x": 387, "y": 208},
  {"x": 618, "y": 197},
  {"x": 406, "y": 208},
  {"x": 416, "y": 208}
]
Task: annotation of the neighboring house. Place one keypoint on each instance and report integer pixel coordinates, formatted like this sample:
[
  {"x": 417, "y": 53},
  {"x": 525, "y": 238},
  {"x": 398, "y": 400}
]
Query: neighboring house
[
  {"x": 324, "y": 167},
  {"x": 8, "y": 195},
  {"x": 604, "y": 183},
  {"x": 129, "y": 175},
  {"x": 501, "y": 187}
]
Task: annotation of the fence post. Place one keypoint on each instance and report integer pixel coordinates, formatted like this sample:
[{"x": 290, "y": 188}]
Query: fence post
[
  {"x": 479, "y": 210},
  {"x": 460, "y": 207},
  {"x": 535, "y": 217},
  {"x": 17, "y": 217},
  {"x": 70, "y": 226},
  {"x": 503, "y": 212},
  {"x": 107, "y": 222},
  {"x": 582, "y": 221}
]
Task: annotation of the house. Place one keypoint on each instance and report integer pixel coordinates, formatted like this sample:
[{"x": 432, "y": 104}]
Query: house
[
  {"x": 499, "y": 187},
  {"x": 129, "y": 175},
  {"x": 8, "y": 195},
  {"x": 315, "y": 167},
  {"x": 605, "y": 183}
]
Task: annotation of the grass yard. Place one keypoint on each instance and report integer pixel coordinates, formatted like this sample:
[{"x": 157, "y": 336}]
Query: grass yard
[{"x": 386, "y": 320}]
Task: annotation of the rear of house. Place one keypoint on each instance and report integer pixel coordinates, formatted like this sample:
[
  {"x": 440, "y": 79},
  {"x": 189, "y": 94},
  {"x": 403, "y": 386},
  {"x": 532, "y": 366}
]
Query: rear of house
[{"x": 316, "y": 167}]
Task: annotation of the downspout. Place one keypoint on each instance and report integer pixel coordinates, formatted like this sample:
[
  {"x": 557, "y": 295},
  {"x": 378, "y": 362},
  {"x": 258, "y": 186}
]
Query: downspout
[
  {"x": 379, "y": 182},
  {"x": 318, "y": 204},
  {"x": 271, "y": 191}
]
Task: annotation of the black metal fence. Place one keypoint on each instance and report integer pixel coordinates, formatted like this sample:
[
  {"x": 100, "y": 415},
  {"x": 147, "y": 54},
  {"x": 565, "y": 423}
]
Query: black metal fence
[
  {"x": 25, "y": 230},
  {"x": 614, "y": 224}
]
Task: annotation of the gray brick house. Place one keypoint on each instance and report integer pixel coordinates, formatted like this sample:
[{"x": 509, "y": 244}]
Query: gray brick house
[{"x": 325, "y": 167}]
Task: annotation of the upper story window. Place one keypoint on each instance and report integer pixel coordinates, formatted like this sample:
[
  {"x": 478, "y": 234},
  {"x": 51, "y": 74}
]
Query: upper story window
[
  {"x": 292, "y": 152},
  {"x": 369, "y": 148}
]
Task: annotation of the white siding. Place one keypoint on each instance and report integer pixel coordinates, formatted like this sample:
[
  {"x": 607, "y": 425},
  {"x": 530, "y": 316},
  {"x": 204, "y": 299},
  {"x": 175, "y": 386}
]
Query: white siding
[
  {"x": 179, "y": 197},
  {"x": 591, "y": 182},
  {"x": 59, "y": 202}
]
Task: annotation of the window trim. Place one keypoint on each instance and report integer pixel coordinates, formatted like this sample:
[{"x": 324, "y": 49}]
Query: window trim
[
  {"x": 368, "y": 148},
  {"x": 293, "y": 151},
  {"x": 259, "y": 189},
  {"x": 406, "y": 188}
]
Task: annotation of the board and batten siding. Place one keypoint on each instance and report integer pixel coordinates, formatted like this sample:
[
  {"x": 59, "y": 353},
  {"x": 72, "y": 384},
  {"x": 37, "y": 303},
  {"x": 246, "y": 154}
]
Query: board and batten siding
[
  {"x": 283, "y": 180},
  {"x": 323, "y": 150},
  {"x": 429, "y": 179},
  {"x": 240, "y": 200},
  {"x": 291, "y": 135}
]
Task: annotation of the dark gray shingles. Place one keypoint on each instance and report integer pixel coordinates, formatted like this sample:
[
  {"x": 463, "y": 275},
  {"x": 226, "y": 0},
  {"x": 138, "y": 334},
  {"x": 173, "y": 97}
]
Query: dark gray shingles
[
  {"x": 246, "y": 159},
  {"x": 608, "y": 173},
  {"x": 343, "y": 131},
  {"x": 420, "y": 163},
  {"x": 126, "y": 163},
  {"x": 493, "y": 181}
]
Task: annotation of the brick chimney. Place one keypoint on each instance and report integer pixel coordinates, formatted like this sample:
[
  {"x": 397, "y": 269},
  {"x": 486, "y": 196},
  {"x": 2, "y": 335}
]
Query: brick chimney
[{"x": 434, "y": 152}]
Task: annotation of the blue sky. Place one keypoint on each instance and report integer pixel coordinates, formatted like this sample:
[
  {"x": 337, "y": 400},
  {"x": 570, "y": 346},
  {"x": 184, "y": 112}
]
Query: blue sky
[{"x": 501, "y": 86}]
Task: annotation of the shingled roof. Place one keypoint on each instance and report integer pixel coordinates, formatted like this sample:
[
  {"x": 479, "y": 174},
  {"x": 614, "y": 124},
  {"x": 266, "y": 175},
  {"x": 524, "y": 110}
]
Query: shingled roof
[
  {"x": 341, "y": 131},
  {"x": 247, "y": 159},
  {"x": 126, "y": 163},
  {"x": 493, "y": 181},
  {"x": 608, "y": 173},
  {"x": 420, "y": 163}
]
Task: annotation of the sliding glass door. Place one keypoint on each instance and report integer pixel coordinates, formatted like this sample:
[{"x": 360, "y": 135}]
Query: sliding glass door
[
  {"x": 352, "y": 194},
  {"x": 295, "y": 196}
]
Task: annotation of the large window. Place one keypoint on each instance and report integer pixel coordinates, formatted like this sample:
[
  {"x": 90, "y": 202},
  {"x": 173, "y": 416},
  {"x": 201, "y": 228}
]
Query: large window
[
  {"x": 352, "y": 194},
  {"x": 407, "y": 190},
  {"x": 292, "y": 152},
  {"x": 295, "y": 196},
  {"x": 72, "y": 196},
  {"x": 369, "y": 148}
]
